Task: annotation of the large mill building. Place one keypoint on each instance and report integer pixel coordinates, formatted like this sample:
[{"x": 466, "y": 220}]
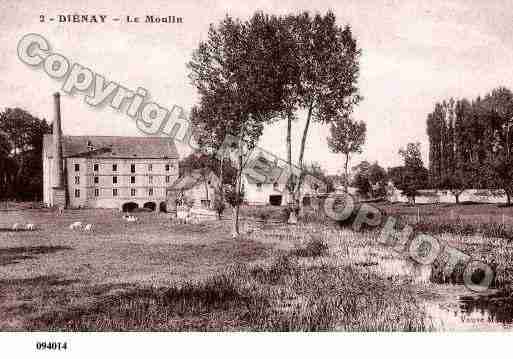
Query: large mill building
[{"x": 107, "y": 171}]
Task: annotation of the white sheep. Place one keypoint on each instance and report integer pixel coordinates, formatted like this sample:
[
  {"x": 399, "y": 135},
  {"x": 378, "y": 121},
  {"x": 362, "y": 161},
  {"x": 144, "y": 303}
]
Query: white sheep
[
  {"x": 75, "y": 225},
  {"x": 183, "y": 216},
  {"x": 30, "y": 227},
  {"x": 16, "y": 226},
  {"x": 88, "y": 227}
]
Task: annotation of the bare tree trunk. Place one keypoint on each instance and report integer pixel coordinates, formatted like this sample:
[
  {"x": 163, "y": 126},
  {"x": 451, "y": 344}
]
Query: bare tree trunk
[
  {"x": 221, "y": 189},
  {"x": 289, "y": 142},
  {"x": 235, "y": 223},
  {"x": 301, "y": 155},
  {"x": 289, "y": 149},
  {"x": 206, "y": 192},
  {"x": 346, "y": 173}
]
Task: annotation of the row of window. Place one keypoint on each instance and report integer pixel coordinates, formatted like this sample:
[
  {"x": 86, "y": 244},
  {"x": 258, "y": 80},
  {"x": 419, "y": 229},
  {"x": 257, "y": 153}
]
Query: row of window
[
  {"x": 96, "y": 167},
  {"x": 115, "y": 179},
  {"x": 259, "y": 186},
  {"x": 133, "y": 192}
]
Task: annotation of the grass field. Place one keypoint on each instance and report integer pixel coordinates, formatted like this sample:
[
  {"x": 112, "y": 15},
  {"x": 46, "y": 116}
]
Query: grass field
[{"x": 160, "y": 275}]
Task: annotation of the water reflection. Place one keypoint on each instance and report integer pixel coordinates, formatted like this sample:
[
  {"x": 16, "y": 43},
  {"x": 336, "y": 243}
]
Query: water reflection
[
  {"x": 472, "y": 313},
  {"x": 455, "y": 309},
  {"x": 496, "y": 308}
]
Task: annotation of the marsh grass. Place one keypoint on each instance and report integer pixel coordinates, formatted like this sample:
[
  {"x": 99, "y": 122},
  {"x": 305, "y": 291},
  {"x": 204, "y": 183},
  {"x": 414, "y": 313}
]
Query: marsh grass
[
  {"x": 283, "y": 296},
  {"x": 463, "y": 227}
]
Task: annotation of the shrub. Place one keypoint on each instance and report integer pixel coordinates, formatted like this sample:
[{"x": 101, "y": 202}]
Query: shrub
[
  {"x": 219, "y": 205},
  {"x": 311, "y": 216},
  {"x": 264, "y": 215},
  {"x": 314, "y": 247}
]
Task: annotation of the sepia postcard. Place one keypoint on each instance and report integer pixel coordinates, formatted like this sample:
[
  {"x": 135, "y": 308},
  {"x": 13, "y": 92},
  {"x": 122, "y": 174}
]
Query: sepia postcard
[{"x": 171, "y": 167}]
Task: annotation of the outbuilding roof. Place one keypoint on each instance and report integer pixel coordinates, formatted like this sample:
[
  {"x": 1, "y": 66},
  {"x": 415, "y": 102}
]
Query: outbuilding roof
[{"x": 190, "y": 180}]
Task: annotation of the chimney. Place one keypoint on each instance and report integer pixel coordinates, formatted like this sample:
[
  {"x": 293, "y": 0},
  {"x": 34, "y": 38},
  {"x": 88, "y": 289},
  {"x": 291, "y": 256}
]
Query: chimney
[{"x": 57, "y": 143}]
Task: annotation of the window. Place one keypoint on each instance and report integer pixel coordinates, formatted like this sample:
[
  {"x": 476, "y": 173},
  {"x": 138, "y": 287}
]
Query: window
[
  {"x": 77, "y": 167},
  {"x": 275, "y": 185},
  {"x": 96, "y": 192},
  {"x": 150, "y": 167},
  {"x": 132, "y": 168},
  {"x": 167, "y": 179},
  {"x": 95, "y": 167},
  {"x": 114, "y": 192},
  {"x": 259, "y": 186},
  {"x": 132, "y": 191},
  {"x": 150, "y": 179},
  {"x": 114, "y": 167},
  {"x": 132, "y": 179},
  {"x": 96, "y": 179},
  {"x": 77, "y": 193},
  {"x": 167, "y": 167},
  {"x": 77, "y": 179},
  {"x": 150, "y": 192},
  {"x": 114, "y": 179}
]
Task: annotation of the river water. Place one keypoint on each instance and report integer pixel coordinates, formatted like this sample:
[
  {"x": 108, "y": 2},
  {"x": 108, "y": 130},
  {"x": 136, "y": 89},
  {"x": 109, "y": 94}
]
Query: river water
[{"x": 454, "y": 307}]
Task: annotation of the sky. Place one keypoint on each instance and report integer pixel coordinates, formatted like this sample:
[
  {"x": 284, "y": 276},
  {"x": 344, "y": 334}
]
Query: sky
[{"x": 414, "y": 54}]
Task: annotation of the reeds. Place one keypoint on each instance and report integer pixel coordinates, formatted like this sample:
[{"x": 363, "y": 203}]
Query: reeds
[{"x": 283, "y": 296}]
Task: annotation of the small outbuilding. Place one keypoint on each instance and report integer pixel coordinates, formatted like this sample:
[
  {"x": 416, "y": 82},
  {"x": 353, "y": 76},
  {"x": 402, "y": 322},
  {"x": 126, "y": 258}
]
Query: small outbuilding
[{"x": 199, "y": 188}]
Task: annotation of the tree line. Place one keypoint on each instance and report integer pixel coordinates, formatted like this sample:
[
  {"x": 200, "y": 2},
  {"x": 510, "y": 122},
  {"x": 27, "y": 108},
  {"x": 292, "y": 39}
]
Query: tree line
[
  {"x": 372, "y": 180},
  {"x": 21, "y": 148},
  {"x": 470, "y": 143}
]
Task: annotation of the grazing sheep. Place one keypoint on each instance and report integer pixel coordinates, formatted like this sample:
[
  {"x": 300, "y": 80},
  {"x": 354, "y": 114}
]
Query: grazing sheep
[
  {"x": 132, "y": 219},
  {"x": 16, "y": 226},
  {"x": 88, "y": 227},
  {"x": 31, "y": 227},
  {"x": 75, "y": 225},
  {"x": 183, "y": 216}
]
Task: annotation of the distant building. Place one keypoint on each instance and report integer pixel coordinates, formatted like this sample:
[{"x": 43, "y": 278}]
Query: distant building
[
  {"x": 199, "y": 188},
  {"x": 107, "y": 171},
  {"x": 272, "y": 188}
]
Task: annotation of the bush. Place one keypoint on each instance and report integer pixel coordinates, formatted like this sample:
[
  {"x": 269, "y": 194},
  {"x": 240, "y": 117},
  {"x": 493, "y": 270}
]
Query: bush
[
  {"x": 219, "y": 205},
  {"x": 314, "y": 247},
  {"x": 264, "y": 215},
  {"x": 312, "y": 216},
  {"x": 286, "y": 212}
]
